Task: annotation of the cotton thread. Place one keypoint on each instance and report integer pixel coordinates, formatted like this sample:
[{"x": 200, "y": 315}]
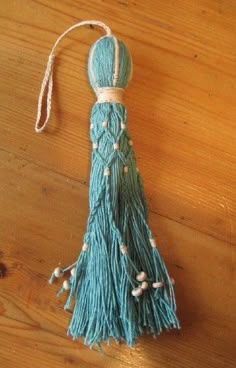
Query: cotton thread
[
  {"x": 48, "y": 76},
  {"x": 109, "y": 94}
]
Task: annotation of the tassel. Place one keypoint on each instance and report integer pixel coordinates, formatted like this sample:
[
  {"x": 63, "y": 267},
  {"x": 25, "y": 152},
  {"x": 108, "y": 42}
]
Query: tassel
[{"x": 119, "y": 285}]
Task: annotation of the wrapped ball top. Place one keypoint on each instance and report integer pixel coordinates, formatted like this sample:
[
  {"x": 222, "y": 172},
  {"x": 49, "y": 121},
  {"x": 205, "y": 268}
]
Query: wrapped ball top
[{"x": 109, "y": 63}]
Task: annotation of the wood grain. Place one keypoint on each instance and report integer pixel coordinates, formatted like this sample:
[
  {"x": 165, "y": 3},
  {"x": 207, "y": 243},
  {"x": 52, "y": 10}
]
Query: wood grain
[{"x": 181, "y": 113}]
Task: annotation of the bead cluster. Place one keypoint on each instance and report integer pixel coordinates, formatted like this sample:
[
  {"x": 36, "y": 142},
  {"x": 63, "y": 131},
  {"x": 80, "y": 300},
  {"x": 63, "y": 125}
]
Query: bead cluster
[
  {"x": 66, "y": 285},
  {"x": 141, "y": 277},
  {"x": 59, "y": 272}
]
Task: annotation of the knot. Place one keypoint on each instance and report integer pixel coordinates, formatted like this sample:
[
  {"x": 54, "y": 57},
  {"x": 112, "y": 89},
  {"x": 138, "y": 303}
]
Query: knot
[{"x": 109, "y": 94}]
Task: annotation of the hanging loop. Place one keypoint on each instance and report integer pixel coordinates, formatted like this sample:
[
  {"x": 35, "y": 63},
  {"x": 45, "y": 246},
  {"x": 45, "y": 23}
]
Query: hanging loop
[{"x": 47, "y": 83}]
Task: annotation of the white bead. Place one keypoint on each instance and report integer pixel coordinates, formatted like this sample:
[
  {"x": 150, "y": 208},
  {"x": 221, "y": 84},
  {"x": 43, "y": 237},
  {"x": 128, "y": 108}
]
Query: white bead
[
  {"x": 126, "y": 169},
  {"x": 141, "y": 276},
  {"x": 85, "y": 247},
  {"x": 58, "y": 272},
  {"x": 123, "y": 249},
  {"x": 157, "y": 285},
  {"x": 123, "y": 126},
  {"x": 172, "y": 280},
  {"x": 130, "y": 142},
  {"x": 72, "y": 271},
  {"x": 66, "y": 285},
  {"x": 91, "y": 126},
  {"x": 116, "y": 146},
  {"x": 153, "y": 242},
  {"x": 95, "y": 145},
  {"x": 106, "y": 171},
  {"x": 144, "y": 285},
  {"x": 104, "y": 124},
  {"x": 137, "y": 292}
]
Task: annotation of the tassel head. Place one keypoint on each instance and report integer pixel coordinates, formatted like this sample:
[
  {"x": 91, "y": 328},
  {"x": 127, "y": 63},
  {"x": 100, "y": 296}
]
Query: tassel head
[{"x": 109, "y": 63}]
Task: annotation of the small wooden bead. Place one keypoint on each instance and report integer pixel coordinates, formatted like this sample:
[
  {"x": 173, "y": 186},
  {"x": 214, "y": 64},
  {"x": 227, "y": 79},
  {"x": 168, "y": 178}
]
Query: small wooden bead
[
  {"x": 126, "y": 169},
  {"x": 106, "y": 171},
  {"x": 144, "y": 285},
  {"x": 172, "y": 280},
  {"x": 58, "y": 272},
  {"x": 141, "y": 276},
  {"x": 85, "y": 247},
  {"x": 95, "y": 145},
  {"x": 157, "y": 285},
  {"x": 104, "y": 124},
  {"x": 116, "y": 146},
  {"x": 123, "y": 126},
  {"x": 137, "y": 292},
  {"x": 123, "y": 249},
  {"x": 72, "y": 271},
  {"x": 66, "y": 285},
  {"x": 130, "y": 142},
  {"x": 153, "y": 242},
  {"x": 137, "y": 169}
]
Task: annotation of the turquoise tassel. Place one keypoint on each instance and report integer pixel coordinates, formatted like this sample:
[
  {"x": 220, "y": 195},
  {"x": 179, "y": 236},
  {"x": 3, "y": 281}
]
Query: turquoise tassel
[{"x": 119, "y": 285}]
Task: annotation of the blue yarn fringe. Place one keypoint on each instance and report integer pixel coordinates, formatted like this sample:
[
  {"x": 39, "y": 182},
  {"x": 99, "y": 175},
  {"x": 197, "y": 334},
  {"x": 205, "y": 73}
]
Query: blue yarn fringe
[{"x": 101, "y": 287}]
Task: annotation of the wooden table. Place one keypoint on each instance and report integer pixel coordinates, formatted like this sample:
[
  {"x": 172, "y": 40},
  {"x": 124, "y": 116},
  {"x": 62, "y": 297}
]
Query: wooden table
[{"x": 181, "y": 111}]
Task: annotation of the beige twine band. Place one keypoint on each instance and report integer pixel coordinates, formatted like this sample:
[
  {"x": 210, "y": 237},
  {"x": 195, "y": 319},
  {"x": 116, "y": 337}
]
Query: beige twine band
[{"x": 109, "y": 94}]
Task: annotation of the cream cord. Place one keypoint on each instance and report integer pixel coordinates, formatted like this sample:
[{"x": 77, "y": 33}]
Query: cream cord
[
  {"x": 109, "y": 94},
  {"x": 47, "y": 82}
]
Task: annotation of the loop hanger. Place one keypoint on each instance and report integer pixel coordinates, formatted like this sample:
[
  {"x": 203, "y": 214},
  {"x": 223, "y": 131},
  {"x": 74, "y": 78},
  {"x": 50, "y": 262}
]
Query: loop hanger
[{"x": 48, "y": 76}]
